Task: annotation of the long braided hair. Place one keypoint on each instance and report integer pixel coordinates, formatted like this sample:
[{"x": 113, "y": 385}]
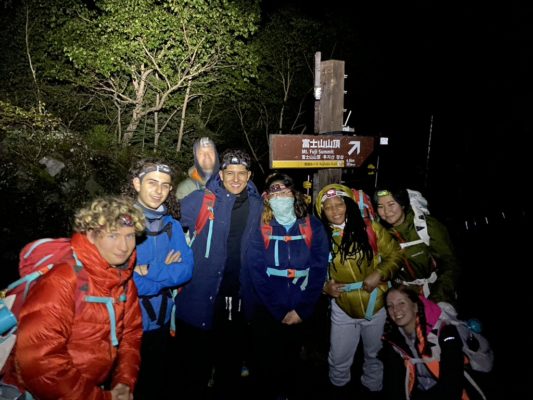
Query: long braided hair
[
  {"x": 354, "y": 243},
  {"x": 421, "y": 322}
]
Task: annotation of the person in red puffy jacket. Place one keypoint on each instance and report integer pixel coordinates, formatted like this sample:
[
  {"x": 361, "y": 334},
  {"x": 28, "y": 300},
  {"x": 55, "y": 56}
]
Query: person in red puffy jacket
[{"x": 92, "y": 351}]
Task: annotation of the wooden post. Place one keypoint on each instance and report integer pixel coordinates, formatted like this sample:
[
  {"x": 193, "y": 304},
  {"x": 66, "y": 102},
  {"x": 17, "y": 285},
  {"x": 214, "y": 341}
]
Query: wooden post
[{"x": 330, "y": 114}]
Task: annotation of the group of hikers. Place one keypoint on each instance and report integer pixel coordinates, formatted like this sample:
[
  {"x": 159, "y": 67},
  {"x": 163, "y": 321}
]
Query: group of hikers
[{"x": 190, "y": 288}]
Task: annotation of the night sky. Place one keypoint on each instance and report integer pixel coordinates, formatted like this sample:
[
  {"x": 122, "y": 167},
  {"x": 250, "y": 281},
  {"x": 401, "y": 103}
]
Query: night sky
[
  {"x": 464, "y": 63},
  {"x": 469, "y": 65}
]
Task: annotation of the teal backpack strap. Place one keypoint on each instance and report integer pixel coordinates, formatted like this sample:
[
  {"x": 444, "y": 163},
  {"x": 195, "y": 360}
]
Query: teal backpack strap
[
  {"x": 287, "y": 238},
  {"x": 209, "y": 237},
  {"x": 173, "y": 313},
  {"x": 108, "y": 301},
  {"x": 290, "y": 273},
  {"x": 369, "y": 312}
]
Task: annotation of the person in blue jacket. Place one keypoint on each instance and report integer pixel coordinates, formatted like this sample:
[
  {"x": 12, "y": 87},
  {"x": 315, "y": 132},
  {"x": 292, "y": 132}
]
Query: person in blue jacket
[
  {"x": 209, "y": 308},
  {"x": 164, "y": 262},
  {"x": 287, "y": 266}
]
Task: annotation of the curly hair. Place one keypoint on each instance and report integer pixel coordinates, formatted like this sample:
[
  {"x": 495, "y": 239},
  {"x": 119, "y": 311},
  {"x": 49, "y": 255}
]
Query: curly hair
[
  {"x": 171, "y": 203},
  {"x": 300, "y": 206},
  {"x": 355, "y": 237},
  {"x": 109, "y": 213}
]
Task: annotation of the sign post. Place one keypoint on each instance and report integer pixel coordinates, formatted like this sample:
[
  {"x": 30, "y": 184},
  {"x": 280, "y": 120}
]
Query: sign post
[{"x": 319, "y": 151}]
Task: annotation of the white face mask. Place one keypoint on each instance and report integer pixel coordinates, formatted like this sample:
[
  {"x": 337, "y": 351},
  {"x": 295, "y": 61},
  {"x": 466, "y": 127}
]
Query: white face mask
[{"x": 283, "y": 209}]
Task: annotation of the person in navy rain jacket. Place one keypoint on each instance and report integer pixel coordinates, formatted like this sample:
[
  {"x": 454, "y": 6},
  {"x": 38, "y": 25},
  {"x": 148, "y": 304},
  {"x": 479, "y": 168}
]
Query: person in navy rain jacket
[{"x": 210, "y": 307}]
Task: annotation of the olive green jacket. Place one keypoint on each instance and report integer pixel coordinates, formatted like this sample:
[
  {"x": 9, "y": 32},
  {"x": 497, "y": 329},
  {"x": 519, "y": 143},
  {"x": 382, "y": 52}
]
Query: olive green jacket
[
  {"x": 190, "y": 184},
  {"x": 387, "y": 263},
  {"x": 421, "y": 260}
]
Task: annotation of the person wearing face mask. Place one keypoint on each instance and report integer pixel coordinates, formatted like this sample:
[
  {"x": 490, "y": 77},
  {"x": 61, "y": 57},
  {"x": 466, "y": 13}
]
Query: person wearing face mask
[
  {"x": 286, "y": 268},
  {"x": 364, "y": 258}
]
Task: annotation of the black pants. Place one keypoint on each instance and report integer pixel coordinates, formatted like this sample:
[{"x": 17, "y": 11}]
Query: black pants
[
  {"x": 157, "y": 366},
  {"x": 276, "y": 366},
  {"x": 222, "y": 348}
]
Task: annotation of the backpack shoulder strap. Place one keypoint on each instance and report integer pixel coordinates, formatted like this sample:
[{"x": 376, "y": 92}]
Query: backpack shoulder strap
[
  {"x": 206, "y": 211},
  {"x": 82, "y": 282},
  {"x": 307, "y": 231},
  {"x": 372, "y": 237},
  {"x": 266, "y": 231}
]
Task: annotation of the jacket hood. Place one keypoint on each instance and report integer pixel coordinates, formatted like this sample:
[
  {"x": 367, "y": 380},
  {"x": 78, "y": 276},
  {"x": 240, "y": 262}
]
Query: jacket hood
[
  {"x": 98, "y": 268},
  {"x": 197, "y": 166}
]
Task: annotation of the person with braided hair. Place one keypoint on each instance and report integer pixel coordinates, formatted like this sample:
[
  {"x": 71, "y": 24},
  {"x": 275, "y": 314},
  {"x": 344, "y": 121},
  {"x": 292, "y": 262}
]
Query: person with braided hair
[
  {"x": 423, "y": 358},
  {"x": 364, "y": 258}
]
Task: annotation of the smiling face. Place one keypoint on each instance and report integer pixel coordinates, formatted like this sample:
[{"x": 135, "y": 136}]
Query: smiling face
[
  {"x": 390, "y": 210},
  {"x": 235, "y": 178},
  {"x": 335, "y": 210},
  {"x": 114, "y": 246},
  {"x": 402, "y": 310},
  {"x": 153, "y": 189}
]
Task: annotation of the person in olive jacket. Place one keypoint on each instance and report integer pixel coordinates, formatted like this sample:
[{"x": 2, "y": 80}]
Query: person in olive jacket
[{"x": 429, "y": 258}]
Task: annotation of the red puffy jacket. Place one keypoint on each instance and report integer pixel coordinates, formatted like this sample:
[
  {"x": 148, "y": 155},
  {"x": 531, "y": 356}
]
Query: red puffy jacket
[{"x": 61, "y": 354}]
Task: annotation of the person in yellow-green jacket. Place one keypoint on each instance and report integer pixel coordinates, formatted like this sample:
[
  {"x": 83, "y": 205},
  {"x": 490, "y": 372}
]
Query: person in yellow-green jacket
[{"x": 364, "y": 258}]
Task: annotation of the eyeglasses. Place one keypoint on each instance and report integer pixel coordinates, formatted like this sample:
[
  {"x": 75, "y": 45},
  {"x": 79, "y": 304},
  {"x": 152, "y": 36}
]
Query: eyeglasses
[{"x": 382, "y": 193}]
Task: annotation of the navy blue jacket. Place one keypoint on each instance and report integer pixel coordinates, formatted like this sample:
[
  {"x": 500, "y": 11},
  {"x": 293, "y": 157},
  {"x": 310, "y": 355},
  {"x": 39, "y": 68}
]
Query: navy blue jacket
[
  {"x": 153, "y": 252},
  {"x": 281, "y": 294},
  {"x": 195, "y": 302}
]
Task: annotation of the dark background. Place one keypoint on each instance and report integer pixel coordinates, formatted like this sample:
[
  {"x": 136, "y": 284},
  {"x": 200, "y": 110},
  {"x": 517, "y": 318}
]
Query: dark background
[
  {"x": 450, "y": 84},
  {"x": 465, "y": 66}
]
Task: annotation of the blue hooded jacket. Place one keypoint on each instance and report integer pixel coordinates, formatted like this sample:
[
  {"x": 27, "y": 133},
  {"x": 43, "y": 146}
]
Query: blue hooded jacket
[
  {"x": 195, "y": 302},
  {"x": 153, "y": 252}
]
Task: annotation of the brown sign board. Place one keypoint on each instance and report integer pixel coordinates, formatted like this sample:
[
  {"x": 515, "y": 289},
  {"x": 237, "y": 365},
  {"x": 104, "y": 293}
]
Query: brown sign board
[{"x": 319, "y": 151}]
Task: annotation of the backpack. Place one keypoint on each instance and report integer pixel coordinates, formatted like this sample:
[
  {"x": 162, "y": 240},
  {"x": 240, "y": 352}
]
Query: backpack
[
  {"x": 306, "y": 233},
  {"x": 36, "y": 259},
  {"x": 369, "y": 215},
  {"x": 476, "y": 347},
  {"x": 206, "y": 214},
  {"x": 419, "y": 205}
]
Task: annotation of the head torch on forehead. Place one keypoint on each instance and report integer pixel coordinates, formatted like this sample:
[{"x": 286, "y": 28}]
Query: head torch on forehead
[
  {"x": 382, "y": 193},
  {"x": 333, "y": 193},
  {"x": 206, "y": 142},
  {"x": 155, "y": 168},
  {"x": 126, "y": 220},
  {"x": 233, "y": 160},
  {"x": 277, "y": 187}
]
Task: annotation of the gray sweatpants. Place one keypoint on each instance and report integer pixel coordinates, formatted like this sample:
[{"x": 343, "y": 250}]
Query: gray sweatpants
[{"x": 344, "y": 338}]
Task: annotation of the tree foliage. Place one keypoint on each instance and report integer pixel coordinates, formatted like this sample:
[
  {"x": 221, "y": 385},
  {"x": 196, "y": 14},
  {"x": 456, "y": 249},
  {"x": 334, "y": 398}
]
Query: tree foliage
[{"x": 154, "y": 57}]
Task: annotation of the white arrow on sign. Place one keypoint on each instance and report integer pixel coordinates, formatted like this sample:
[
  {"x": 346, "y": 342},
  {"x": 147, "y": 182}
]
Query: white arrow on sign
[{"x": 356, "y": 147}]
